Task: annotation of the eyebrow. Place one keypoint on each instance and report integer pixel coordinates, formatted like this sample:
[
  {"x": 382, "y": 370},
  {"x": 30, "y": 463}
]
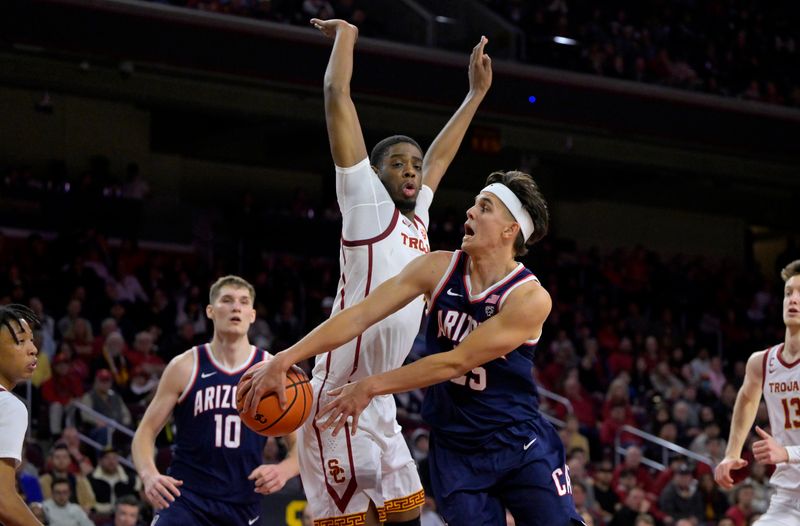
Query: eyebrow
[{"x": 413, "y": 157}]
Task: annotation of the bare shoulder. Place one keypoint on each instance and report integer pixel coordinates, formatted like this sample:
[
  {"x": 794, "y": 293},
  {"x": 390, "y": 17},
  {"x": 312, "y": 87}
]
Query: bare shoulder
[
  {"x": 755, "y": 363},
  {"x": 178, "y": 371}
]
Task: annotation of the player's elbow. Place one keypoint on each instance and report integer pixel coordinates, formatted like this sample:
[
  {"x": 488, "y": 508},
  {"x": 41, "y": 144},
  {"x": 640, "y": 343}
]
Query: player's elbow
[{"x": 336, "y": 90}]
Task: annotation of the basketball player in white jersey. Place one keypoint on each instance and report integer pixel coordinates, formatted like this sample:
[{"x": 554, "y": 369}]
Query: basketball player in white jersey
[
  {"x": 774, "y": 372},
  {"x": 17, "y": 363},
  {"x": 384, "y": 201}
]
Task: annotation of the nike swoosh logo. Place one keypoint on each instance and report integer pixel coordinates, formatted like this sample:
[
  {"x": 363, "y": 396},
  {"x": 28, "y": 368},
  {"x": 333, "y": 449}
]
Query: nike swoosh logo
[
  {"x": 529, "y": 444},
  {"x": 206, "y": 375},
  {"x": 253, "y": 521},
  {"x": 451, "y": 293}
]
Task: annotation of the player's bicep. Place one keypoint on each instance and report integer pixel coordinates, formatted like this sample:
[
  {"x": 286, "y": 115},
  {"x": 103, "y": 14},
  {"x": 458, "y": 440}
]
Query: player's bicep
[
  {"x": 8, "y": 477},
  {"x": 519, "y": 320},
  {"x": 344, "y": 128},
  {"x": 754, "y": 377}
]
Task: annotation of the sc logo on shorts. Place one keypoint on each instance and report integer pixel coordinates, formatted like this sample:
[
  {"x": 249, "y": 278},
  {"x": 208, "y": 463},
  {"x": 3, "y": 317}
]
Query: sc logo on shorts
[{"x": 337, "y": 473}]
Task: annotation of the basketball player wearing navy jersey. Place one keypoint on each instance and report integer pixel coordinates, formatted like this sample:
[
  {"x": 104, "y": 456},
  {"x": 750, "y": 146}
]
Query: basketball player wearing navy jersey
[
  {"x": 490, "y": 447},
  {"x": 384, "y": 200},
  {"x": 216, "y": 474}
]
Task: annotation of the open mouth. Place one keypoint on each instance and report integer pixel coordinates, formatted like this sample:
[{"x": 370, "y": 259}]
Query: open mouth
[
  {"x": 409, "y": 190},
  {"x": 33, "y": 364},
  {"x": 235, "y": 319},
  {"x": 468, "y": 232}
]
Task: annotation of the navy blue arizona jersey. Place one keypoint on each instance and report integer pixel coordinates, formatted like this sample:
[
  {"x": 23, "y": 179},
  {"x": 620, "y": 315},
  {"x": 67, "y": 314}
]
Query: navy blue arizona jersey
[
  {"x": 214, "y": 452},
  {"x": 466, "y": 412}
]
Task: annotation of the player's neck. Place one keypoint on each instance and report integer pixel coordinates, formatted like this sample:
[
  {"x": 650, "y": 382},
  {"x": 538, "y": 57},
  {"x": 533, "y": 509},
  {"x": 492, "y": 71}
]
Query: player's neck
[
  {"x": 487, "y": 269},
  {"x": 230, "y": 349},
  {"x": 791, "y": 347},
  {"x": 6, "y": 383}
]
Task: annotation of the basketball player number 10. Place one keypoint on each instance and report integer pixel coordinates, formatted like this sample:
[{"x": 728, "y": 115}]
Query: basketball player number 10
[
  {"x": 231, "y": 432},
  {"x": 475, "y": 379}
]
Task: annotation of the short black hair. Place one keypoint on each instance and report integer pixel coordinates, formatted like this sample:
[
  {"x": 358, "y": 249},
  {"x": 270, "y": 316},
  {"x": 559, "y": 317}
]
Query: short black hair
[
  {"x": 527, "y": 191},
  {"x": 380, "y": 149},
  {"x": 60, "y": 480},
  {"x": 16, "y": 312},
  {"x": 127, "y": 500}
]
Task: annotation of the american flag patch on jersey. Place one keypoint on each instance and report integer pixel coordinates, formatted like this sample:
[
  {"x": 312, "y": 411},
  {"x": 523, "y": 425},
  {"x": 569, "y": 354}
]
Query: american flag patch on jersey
[{"x": 491, "y": 300}]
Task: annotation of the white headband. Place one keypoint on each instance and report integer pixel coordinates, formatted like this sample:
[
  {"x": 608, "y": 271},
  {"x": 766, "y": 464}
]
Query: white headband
[{"x": 514, "y": 206}]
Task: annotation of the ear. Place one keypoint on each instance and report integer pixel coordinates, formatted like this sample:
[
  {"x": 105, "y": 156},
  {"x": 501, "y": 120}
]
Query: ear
[
  {"x": 375, "y": 169},
  {"x": 511, "y": 231},
  {"x": 209, "y": 311}
]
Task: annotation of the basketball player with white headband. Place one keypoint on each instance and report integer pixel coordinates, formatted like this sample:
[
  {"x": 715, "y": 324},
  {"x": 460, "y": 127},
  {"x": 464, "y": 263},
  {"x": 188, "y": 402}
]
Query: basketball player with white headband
[{"x": 491, "y": 449}]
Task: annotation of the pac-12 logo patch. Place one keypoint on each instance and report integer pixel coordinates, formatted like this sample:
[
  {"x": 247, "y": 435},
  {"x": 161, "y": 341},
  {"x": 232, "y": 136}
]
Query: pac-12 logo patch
[{"x": 489, "y": 310}]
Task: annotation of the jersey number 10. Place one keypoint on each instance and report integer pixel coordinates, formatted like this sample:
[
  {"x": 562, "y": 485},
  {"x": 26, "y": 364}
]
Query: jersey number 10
[
  {"x": 792, "y": 420},
  {"x": 228, "y": 430}
]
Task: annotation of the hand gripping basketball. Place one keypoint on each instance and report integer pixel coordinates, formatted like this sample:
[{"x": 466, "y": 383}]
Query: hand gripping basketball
[{"x": 270, "y": 417}]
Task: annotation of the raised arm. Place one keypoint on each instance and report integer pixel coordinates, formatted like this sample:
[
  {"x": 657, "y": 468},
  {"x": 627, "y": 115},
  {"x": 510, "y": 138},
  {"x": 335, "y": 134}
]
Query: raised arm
[
  {"x": 520, "y": 319},
  {"x": 159, "y": 489},
  {"x": 444, "y": 147},
  {"x": 417, "y": 278},
  {"x": 344, "y": 129},
  {"x": 744, "y": 414},
  {"x": 271, "y": 478}
]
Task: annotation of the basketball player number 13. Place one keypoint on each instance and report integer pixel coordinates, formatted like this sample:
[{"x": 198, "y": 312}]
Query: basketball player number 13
[
  {"x": 791, "y": 422},
  {"x": 228, "y": 430},
  {"x": 475, "y": 379}
]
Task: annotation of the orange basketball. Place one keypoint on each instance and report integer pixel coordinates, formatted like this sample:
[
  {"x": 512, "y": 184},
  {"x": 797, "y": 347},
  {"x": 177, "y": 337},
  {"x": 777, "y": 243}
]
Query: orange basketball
[{"x": 270, "y": 420}]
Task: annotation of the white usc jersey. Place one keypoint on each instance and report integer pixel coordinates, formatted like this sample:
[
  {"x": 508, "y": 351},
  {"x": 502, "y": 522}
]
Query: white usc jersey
[
  {"x": 782, "y": 394},
  {"x": 377, "y": 242}
]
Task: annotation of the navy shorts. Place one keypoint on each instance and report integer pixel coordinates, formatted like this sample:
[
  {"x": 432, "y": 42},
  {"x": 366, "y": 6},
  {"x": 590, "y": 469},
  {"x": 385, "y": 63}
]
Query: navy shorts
[
  {"x": 529, "y": 477},
  {"x": 191, "y": 509}
]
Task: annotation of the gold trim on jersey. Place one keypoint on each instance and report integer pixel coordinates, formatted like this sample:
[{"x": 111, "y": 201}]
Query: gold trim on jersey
[
  {"x": 354, "y": 519},
  {"x": 413, "y": 501}
]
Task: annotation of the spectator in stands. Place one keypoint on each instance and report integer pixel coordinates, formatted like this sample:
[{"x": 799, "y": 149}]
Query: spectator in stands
[
  {"x": 634, "y": 504},
  {"x": 715, "y": 502},
  {"x": 74, "y": 308},
  {"x": 113, "y": 359},
  {"x": 80, "y": 463},
  {"x": 742, "y": 509},
  {"x": 60, "y": 511},
  {"x": 47, "y": 327},
  {"x": 127, "y": 511},
  {"x": 604, "y": 492},
  {"x": 80, "y": 491},
  {"x": 762, "y": 490},
  {"x": 110, "y": 481},
  {"x": 571, "y": 436},
  {"x": 633, "y": 463},
  {"x": 80, "y": 337},
  {"x": 59, "y": 391},
  {"x": 681, "y": 497},
  {"x": 144, "y": 354},
  {"x": 104, "y": 400}
]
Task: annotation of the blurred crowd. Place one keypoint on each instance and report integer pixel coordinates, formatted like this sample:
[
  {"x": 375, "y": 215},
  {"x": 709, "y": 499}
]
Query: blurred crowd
[{"x": 735, "y": 48}]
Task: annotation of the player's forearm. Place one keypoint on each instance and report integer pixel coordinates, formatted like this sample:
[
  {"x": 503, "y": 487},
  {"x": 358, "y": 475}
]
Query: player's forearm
[
  {"x": 445, "y": 146},
  {"x": 143, "y": 452},
  {"x": 744, "y": 414},
  {"x": 340, "y": 64},
  {"x": 428, "y": 371},
  {"x": 335, "y": 332},
  {"x": 14, "y": 511}
]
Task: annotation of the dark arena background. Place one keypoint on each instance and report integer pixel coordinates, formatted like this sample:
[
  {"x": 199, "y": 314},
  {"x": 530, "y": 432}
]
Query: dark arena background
[{"x": 148, "y": 148}]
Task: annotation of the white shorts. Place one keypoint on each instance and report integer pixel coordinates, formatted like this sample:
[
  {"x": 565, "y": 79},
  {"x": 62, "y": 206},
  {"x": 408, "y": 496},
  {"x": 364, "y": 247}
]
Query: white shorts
[
  {"x": 342, "y": 474},
  {"x": 784, "y": 510}
]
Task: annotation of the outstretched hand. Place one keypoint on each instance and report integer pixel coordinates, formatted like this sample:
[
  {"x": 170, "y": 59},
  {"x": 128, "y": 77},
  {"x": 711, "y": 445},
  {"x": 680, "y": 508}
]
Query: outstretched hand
[
  {"x": 480, "y": 68},
  {"x": 350, "y": 401},
  {"x": 269, "y": 478},
  {"x": 263, "y": 378},
  {"x": 329, "y": 28},
  {"x": 768, "y": 450}
]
